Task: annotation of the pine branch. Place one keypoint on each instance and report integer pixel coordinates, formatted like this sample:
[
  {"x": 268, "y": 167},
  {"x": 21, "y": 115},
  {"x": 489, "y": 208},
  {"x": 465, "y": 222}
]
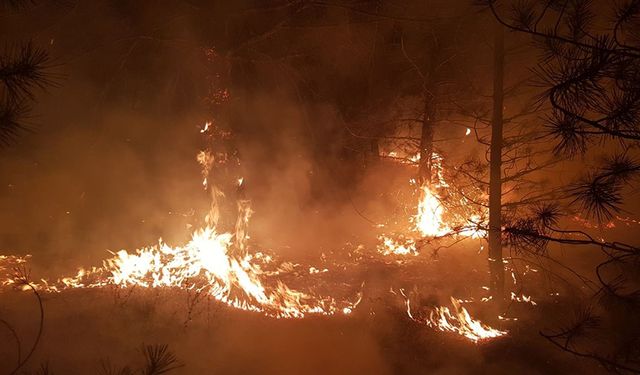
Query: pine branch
[
  {"x": 107, "y": 368},
  {"x": 16, "y": 5},
  {"x": 159, "y": 360},
  {"x": 24, "y": 69},
  {"x": 599, "y": 193},
  {"x": 12, "y": 120}
]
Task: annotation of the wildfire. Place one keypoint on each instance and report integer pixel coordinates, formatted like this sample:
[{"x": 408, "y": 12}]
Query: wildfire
[
  {"x": 428, "y": 220},
  {"x": 522, "y": 298},
  {"x": 401, "y": 246},
  {"x": 222, "y": 265},
  {"x": 212, "y": 262},
  {"x": 206, "y": 263},
  {"x": 458, "y": 321},
  {"x": 403, "y": 157},
  {"x": 432, "y": 218},
  {"x": 205, "y": 159}
]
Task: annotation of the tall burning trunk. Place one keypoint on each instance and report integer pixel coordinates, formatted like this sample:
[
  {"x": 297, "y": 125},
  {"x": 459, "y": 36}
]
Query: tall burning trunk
[
  {"x": 426, "y": 138},
  {"x": 496, "y": 267}
]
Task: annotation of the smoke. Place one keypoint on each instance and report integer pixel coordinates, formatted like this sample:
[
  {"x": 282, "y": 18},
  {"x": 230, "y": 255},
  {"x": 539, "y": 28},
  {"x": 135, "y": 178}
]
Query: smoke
[{"x": 111, "y": 165}]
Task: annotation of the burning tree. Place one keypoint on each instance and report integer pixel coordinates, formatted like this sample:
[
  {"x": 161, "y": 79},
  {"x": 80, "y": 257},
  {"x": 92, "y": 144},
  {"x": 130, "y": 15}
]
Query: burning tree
[
  {"x": 414, "y": 119},
  {"x": 498, "y": 186}
]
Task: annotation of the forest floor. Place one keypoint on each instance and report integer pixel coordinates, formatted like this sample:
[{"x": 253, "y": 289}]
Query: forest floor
[{"x": 84, "y": 328}]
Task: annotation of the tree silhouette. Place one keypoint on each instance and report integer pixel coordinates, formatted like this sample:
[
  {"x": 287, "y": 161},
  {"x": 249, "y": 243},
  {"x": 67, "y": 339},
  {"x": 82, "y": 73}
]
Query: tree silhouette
[
  {"x": 24, "y": 70},
  {"x": 591, "y": 76},
  {"x": 590, "y": 72}
]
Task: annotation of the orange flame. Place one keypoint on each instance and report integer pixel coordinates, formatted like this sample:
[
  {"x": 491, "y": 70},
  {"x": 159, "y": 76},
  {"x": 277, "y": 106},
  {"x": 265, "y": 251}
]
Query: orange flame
[
  {"x": 216, "y": 263},
  {"x": 205, "y": 263},
  {"x": 222, "y": 265},
  {"x": 458, "y": 321},
  {"x": 428, "y": 220}
]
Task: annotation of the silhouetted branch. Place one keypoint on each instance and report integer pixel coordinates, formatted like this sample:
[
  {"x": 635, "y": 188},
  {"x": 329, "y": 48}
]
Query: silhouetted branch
[
  {"x": 24, "y": 69},
  {"x": 15, "y": 336},
  {"x": 107, "y": 368},
  {"x": 159, "y": 360},
  {"x": 22, "y": 279},
  {"x": 15, "y": 5}
]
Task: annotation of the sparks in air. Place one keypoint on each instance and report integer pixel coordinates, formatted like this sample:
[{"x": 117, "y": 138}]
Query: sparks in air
[{"x": 206, "y": 127}]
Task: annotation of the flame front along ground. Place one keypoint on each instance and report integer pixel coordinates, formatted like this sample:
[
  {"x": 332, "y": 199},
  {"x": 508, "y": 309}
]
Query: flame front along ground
[{"x": 221, "y": 264}]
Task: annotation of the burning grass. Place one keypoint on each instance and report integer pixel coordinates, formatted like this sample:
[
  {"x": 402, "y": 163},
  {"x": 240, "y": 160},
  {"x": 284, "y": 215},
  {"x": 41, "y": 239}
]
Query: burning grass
[
  {"x": 223, "y": 266},
  {"x": 378, "y": 337}
]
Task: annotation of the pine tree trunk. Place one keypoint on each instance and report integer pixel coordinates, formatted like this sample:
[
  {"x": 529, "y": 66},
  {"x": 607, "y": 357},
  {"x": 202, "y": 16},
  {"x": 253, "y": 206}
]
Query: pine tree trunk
[
  {"x": 426, "y": 139},
  {"x": 496, "y": 267}
]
